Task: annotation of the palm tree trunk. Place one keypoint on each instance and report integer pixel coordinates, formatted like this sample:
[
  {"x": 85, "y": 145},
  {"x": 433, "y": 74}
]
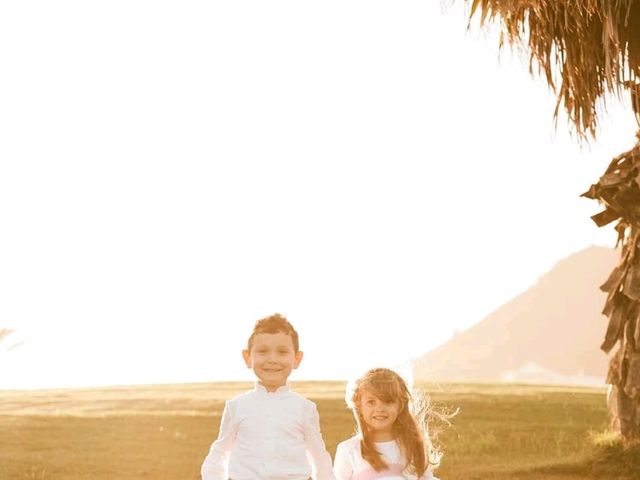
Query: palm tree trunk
[{"x": 619, "y": 191}]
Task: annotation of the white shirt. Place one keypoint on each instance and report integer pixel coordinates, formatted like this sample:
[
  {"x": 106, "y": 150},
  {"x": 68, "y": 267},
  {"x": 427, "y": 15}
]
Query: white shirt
[
  {"x": 349, "y": 464},
  {"x": 268, "y": 436}
]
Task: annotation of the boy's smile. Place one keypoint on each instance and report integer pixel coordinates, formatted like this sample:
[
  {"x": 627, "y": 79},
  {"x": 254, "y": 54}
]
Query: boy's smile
[{"x": 272, "y": 358}]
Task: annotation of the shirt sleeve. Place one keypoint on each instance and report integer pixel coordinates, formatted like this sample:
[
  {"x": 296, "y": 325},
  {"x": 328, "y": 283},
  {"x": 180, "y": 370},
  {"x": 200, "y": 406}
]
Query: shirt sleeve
[
  {"x": 215, "y": 464},
  {"x": 315, "y": 445},
  {"x": 342, "y": 465}
]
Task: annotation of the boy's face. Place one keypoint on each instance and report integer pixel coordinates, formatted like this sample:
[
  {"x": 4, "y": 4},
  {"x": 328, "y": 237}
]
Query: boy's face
[{"x": 272, "y": 358}]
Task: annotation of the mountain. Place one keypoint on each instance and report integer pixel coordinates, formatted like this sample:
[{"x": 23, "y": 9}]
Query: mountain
[{"x": 551, "y": 333}]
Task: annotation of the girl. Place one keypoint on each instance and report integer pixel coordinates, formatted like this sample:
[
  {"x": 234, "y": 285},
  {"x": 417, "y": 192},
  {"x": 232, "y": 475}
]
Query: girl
[{"x": 391, "y": 442}]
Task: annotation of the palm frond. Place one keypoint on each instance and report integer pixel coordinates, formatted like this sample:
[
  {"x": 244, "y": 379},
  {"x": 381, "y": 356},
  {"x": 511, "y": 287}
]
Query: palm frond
[{"x": 585, "y": 49}]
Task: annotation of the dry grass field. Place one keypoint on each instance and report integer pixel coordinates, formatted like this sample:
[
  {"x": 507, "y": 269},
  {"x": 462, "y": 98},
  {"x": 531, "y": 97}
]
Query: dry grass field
[{"x": 163, "y": 432}]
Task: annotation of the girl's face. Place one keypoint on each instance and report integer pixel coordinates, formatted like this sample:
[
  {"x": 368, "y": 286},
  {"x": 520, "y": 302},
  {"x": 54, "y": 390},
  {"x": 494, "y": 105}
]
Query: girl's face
[{"x": 379, "y": 416}]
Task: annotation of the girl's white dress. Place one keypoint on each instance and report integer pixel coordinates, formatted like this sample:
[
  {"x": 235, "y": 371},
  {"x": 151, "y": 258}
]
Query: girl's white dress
[{"x": 349, "y": 464}]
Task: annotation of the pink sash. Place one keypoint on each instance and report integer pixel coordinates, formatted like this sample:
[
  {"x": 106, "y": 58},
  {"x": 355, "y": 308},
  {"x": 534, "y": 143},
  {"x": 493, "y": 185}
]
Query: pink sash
[{"x": 394, "y": 470}]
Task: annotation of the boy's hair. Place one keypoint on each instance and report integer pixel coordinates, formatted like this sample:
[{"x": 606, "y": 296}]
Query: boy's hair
[
  {"x": 275, "y": 323},
  {"x": 410, "y": 427}
]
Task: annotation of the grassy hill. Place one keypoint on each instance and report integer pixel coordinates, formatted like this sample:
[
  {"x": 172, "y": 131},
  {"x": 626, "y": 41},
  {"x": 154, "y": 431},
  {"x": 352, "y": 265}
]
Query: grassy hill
[{"x": 163, "y": 432}]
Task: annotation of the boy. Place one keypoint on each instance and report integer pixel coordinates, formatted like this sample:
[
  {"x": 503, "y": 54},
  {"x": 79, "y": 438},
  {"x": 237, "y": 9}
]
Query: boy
[{"x": 270, "y": 432}]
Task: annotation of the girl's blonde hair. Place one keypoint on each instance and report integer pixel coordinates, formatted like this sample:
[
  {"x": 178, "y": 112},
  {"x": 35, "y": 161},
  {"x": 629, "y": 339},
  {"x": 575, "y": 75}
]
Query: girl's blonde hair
[{"x": 410, "y": 428}]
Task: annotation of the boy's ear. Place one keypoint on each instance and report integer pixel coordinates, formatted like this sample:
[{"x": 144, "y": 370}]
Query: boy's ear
[
  {"x": 297, "y": 359},
  {"x": 247, "y": 357}
]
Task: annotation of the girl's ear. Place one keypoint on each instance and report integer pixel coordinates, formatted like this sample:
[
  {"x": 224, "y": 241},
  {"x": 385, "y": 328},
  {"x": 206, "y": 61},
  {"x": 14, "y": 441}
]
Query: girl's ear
[{"x": 297, "y": 358}]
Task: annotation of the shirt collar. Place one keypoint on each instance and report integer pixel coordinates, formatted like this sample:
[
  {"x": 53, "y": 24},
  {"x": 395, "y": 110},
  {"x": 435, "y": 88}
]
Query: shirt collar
[{"x": 258, "y": 387}]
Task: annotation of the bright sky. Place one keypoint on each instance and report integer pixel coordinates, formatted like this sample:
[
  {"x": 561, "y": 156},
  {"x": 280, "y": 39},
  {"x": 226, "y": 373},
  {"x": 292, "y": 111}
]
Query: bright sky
[{"x": 172, "y": 171}]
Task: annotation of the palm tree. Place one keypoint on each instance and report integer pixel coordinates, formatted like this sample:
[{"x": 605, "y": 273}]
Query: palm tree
[{"x": 586, "y": 50}]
